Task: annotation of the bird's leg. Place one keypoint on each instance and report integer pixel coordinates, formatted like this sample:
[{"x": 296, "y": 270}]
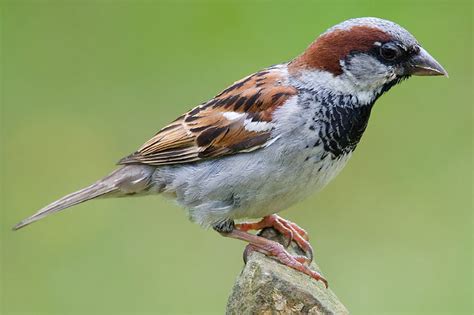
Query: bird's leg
[
  {"x": 289, "y": 229},
  {"x": 269, "y": 248}
]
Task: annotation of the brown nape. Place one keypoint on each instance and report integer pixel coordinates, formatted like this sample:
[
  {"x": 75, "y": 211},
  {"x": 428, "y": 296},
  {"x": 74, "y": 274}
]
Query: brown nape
[{"x": 326, "y": 51}]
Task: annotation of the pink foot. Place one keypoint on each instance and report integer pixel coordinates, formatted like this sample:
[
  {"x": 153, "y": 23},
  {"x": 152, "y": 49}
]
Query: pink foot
[
  {"x": 276, "y": 250},
  {"x": 289, "y": 229}
]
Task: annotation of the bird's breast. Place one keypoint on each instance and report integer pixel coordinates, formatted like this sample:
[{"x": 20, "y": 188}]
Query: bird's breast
[{"x": 334, "y": 122}]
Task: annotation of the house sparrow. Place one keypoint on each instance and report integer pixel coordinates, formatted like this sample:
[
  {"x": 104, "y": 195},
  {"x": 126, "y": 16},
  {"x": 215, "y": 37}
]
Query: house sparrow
[{"x": 270, "y": 139}]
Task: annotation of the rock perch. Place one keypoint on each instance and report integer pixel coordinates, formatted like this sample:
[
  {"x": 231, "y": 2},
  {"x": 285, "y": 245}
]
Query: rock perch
[{"x": 268, "y": 287}]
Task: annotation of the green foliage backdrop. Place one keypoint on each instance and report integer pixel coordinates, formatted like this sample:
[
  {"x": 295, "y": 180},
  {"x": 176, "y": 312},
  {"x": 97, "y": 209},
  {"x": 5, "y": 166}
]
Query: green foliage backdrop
[{"x": 86, "y": 82}]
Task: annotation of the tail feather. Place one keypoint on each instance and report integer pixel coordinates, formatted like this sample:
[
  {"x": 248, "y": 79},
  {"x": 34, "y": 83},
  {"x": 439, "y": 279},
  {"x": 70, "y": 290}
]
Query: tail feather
[
  {"x": 130, "y": 179},
  {"x": 88, "y": 193}
]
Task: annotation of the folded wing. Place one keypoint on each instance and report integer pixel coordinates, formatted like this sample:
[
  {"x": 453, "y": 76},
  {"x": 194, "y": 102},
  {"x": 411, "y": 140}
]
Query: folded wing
[{"x": 237, "y": 120}]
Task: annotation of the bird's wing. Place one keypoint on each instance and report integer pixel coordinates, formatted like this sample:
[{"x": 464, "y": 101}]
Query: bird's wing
[{"x": 239, "y": 119}]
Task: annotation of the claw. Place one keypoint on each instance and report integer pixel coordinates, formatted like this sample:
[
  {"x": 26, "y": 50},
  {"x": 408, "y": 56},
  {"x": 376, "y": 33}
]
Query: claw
[
  {"x": 303, "y": 259},
  {"x": 277, "y": 251},
  {"x": 287, "y": 228}
]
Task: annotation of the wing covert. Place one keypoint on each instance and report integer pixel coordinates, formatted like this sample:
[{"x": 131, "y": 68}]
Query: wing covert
[{"x": 239, "y": 119}]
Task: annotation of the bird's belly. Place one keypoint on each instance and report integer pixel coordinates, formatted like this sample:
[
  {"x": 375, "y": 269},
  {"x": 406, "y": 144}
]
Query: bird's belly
[
  {"x": 247, "y": 185},
  {"x": 303, "y": 178}
]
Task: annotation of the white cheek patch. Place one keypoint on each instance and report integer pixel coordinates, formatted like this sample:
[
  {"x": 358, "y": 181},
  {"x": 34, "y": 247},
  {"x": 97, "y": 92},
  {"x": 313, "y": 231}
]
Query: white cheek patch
[
  {"x": 318, "y": 79},
  {"x": 233, "y": 115},
  {"x": 257, "y": 126}
]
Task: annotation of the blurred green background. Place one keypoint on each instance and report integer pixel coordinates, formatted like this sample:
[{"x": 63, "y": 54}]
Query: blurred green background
[{"x": 84, "y": 83}]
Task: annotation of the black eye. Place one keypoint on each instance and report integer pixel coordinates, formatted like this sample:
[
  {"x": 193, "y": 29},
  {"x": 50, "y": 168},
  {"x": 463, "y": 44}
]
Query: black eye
[{"x": 390, "y": 51}]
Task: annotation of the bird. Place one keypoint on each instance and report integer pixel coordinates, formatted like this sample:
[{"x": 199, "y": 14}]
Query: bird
[{"x": 270, "y": 139}]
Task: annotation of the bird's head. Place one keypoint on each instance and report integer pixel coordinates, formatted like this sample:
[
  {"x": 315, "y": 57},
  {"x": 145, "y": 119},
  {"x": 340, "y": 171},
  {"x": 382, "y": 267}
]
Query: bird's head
[{"x": 365, "y": 55}]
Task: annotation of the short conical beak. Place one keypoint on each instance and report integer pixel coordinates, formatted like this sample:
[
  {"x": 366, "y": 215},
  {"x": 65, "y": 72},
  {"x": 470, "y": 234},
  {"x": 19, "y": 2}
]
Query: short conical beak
[{"x": 423, "y": 64}]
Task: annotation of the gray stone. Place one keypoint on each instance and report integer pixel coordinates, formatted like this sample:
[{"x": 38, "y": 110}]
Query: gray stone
[{"x": 267, "y": 287}]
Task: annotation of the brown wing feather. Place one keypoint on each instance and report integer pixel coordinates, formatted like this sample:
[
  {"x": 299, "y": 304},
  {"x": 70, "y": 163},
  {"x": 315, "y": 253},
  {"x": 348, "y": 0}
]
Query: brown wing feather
[{"x": 220, "y": 126}]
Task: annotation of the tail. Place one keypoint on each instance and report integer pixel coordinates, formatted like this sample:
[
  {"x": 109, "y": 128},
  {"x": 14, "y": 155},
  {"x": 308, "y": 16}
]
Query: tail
[{"x": 130, "y": 179}]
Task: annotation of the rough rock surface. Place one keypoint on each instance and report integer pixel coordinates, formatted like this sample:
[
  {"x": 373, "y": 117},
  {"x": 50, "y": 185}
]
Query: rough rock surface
[{"x": 267, "y": 287}]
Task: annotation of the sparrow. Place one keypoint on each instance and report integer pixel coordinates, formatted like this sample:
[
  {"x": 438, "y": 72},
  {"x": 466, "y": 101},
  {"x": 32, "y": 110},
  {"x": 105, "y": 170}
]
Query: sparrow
[{"x": 270, "y": 139}]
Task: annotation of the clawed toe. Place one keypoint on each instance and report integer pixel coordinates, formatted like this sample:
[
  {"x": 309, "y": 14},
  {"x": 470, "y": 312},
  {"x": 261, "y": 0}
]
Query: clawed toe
[
  {"x": 303, "y": 259},
  {"x": 251, "y": 248},
  {"x": 277, "y": 251},
  {"x": 290, "y": 230}
]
